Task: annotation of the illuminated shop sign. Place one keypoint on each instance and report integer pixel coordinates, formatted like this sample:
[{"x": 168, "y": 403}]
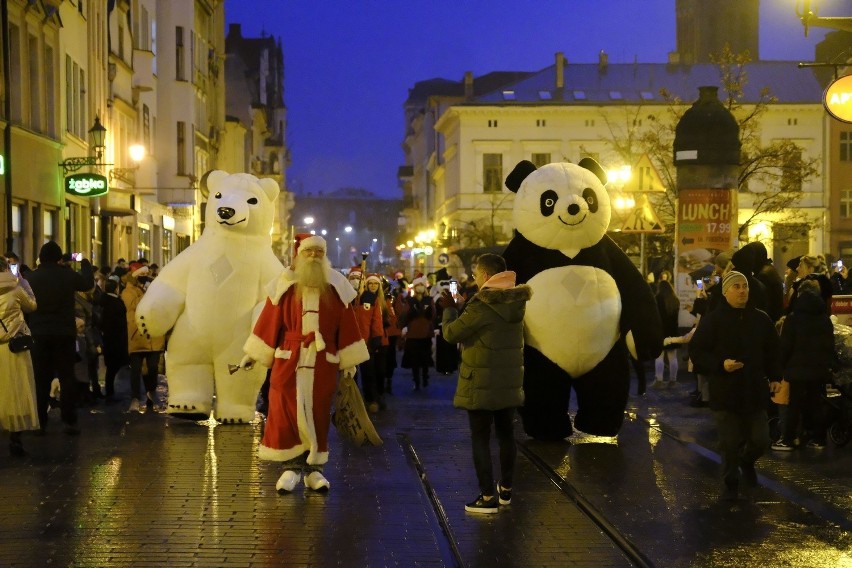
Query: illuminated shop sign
[
  {"x": 86, "y": 185},
  {"x": 838, "y": 99}
]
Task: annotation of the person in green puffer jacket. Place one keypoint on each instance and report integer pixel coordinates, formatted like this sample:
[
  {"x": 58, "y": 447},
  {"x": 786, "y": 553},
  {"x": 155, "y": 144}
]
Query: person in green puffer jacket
[{"x": 491, "y": 375}]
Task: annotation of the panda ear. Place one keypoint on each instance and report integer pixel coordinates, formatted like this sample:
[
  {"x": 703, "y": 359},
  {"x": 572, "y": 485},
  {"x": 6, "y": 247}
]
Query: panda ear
[
  {"x": 519, "y": 174},
  {"x": 594, "y": 167}
]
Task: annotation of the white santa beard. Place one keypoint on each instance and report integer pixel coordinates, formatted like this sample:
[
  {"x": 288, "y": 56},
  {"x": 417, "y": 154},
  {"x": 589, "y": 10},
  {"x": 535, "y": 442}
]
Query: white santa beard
[{"x": 312, "y": 272}]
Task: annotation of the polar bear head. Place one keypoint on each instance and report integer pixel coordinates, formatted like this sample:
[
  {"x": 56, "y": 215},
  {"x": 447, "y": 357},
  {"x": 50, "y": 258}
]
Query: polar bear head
[
  {"x": 240, "y": 202},
  {"x": 560, "y": 206}
]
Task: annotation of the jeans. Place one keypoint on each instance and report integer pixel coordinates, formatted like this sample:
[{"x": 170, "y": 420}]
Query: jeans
[
  {"x": 743, "y": 437},
  {"x": 152, "y": 361},
  {"x": 806, "y": 404},
  {"x": 53, "y": 356},
  {"x": 480, "y": 429}
]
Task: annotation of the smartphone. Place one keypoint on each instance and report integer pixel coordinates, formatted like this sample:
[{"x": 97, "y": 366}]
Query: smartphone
[
  {"x": 454, "y": 288},
  {"x": 78, "y": 256},
  {"x": 699, "y": 284},
  {"x": 14, "y": 269},
  {"x": 839, "y": 264}
]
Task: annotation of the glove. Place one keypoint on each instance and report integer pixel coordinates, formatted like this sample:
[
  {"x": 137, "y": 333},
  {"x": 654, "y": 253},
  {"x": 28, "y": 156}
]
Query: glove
[
  {"x": 247, "y": 363},
  {"x": 349, "y": 371},
  {"x": 667, "y": 341}
]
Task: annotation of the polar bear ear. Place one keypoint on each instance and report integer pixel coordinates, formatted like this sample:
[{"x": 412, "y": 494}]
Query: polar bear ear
[
  {"x": 212, "y": 178},
  {"x": 269, "y": 187}
]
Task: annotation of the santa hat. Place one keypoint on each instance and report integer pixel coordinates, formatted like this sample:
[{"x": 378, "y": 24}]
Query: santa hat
[
  {"x": 308, "y": 240},
  {"x": 141, "y": 271},
  {"x": 422, "y": 280},
  {"x": 355, "y": 271},
  {"x": 374, "y": 278}
]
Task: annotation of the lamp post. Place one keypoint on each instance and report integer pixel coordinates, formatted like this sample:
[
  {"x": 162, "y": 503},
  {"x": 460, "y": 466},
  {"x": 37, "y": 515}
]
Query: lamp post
[
  {"x": 128, "y": 175},
  {"x": 812, "y": 18},
  {"x": 97, "y": 134}
]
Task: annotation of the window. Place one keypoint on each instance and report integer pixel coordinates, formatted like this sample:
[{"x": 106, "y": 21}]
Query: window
[
  {"x": 167, "y": 245},
  {"x": 792, "y": 121},
  {"x": 540, "y": 159},
  {"x": 16, "y": 74},
  {"x": 615, "y": 95},
  {"x": 35, "y": 105},
  {"x": 540, "y": 122},
  {"x": 182, "y": 243},
  {"x": 846, "y": 204},
  {"x": 17, "y": 227},
  {"x": 846, "y": 146},
  {"x": 75, "y": 99},
  {"x": 647, "y": 95},
  {"x": 48, "y": 225},
  {"x": 508, "y": 95},
  {"x": 545, "y": 95},
  {"x": 492, "y": 173},
  {"x": 50, "y": 91},
  {"x": 121, "y": 42},
  {"x": 791, "y": 179},
  {"x": 580, "y": 95},
  {"x": 492, "y": 124},
  {"x": 590, "y": 122},
  {"x": 181, "y": 148},
  {"x": 180, "y": 71},
  {"x": 144, "y": 241}
]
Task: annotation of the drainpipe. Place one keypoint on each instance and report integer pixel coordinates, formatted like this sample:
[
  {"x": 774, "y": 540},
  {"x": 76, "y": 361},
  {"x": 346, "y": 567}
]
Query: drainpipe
[{"x": 7, "y": 132}]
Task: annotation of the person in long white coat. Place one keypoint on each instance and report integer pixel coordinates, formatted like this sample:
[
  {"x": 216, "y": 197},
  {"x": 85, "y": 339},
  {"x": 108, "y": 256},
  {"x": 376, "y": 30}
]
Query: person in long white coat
[{"x": 18, "y": 410}]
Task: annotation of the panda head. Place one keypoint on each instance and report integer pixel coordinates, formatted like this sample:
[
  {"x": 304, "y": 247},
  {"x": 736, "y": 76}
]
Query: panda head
[{"x": 560, "y": 206}]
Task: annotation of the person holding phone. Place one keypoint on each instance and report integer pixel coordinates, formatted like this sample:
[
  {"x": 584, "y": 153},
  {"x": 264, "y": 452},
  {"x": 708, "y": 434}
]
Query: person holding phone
[
  {"x": 737, "y": 348},
  {"x": 491, "y": 377}
]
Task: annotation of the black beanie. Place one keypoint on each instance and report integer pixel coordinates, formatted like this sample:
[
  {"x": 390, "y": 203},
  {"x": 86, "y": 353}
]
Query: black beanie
[{"x": 50, "y": 252}]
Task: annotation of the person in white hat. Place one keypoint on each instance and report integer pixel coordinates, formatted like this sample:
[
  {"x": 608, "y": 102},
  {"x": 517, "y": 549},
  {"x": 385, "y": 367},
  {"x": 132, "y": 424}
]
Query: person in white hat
[{"x": 306, "y": 333}]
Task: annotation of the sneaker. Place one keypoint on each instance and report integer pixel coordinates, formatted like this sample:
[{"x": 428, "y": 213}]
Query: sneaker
[
  {"x": 149, "y": 403},
  {"x": 134, "y": 405},
  {"x": 504, "y": 494},
  {"x": 287, "y": 482},
  {"x": 482, "y": 505},
  {"x": 816, "y": 445},
  {"x": 782, "y": 446},
  {"x": 316, "y": 481}
]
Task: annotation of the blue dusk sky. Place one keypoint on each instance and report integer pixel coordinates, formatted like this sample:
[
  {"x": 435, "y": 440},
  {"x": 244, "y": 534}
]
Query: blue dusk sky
[{"x": 349, "y": 64}]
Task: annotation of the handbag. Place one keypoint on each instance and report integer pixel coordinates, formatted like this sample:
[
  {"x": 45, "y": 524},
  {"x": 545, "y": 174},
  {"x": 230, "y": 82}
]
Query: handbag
[
  {"x": 350, "y": 416},
  {"x": 21, "y": 341}
]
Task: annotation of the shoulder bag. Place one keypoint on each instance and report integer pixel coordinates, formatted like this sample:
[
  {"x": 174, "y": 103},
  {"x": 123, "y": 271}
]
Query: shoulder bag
[{"x": 21, "y": 341}]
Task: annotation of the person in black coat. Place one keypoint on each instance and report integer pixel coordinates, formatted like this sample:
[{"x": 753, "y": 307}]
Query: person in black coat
[
  {"x": 810, "y": 268},
  {"x": 771, "y": 280},
  {"x": 55, "y": 330},
  {"x": 737, "y": 347},
  {"x": 113, "y": 326},
  {"x": 807, "y": 355},
  {"x": 745, "y": 261}
]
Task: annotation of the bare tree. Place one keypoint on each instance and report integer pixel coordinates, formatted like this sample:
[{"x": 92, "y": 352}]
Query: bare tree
[{"x": 487, "y": 230}]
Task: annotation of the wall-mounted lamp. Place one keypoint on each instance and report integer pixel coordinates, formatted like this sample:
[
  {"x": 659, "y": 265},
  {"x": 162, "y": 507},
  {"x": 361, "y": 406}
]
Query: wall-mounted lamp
[{"x": 97, "y": 134}]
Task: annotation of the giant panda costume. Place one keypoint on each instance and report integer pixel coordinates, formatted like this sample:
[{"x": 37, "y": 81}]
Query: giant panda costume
[{"x": 590, "y": 305}]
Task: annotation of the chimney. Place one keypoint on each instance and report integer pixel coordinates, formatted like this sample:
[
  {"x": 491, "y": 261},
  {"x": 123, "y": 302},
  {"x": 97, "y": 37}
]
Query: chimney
[
  {"x": 560, "y": 70},
  {"x": 468, "y": 84},
  {"x": 603, "y": 60},
  {"x": 235, "y": 31}
]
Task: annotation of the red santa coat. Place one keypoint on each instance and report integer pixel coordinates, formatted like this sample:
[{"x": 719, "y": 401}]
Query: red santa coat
[{"x": 305, "y": 341}]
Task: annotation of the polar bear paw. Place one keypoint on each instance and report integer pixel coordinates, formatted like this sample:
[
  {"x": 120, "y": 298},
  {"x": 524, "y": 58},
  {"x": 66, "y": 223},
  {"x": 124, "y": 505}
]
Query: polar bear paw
[{"x": 188, "y": 411}]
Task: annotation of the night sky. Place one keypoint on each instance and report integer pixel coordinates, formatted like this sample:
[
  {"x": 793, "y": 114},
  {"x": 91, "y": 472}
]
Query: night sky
[{"x": 349, "y": 64}]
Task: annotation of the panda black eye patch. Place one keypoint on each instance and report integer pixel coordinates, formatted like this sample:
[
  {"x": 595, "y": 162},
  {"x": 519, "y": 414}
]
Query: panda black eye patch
[
  {"x": 548, "y": 202},
  {"x": 591, "y": 198},
  {"x": 252, "y": 201}
]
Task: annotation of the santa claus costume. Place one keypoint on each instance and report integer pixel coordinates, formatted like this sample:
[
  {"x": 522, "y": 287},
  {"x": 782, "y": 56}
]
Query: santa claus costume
[{"x": 305, "y": 335}]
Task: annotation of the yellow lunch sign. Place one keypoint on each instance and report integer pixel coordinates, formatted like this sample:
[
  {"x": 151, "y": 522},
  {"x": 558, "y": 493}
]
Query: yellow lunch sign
[{"x": 838, "y": 99}]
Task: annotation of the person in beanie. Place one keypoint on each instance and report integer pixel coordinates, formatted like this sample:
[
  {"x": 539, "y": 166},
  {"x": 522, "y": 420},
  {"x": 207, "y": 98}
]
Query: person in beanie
[
  {"x": 417, "y": 331},
  {"x": 54, "y": 330},
  {"x": 491, "y": 377},
  {"x": 306, "y": 333},
  {"x": 737, "y": 348}
]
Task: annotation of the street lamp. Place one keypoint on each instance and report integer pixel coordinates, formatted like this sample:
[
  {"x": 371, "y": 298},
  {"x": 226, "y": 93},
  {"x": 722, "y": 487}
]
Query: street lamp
[
  {"x": 128, "y": 175},
  {"x": 97, "y": 134}
]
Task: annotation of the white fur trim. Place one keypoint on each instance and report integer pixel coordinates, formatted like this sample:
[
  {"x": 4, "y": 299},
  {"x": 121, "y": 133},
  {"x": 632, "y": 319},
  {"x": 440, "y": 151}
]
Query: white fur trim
[
  {"x": 332, "y": 358},
  {"x": 422, "y": 280},
  {"x": 283, "y": 354},
  {"x": 259, "y": 351},
  {"x": 354, "y": 354},
  {"x": 374, "y": 278},
  {"x": 313, "y": 241},
  {"x": 273, "y": 454}
]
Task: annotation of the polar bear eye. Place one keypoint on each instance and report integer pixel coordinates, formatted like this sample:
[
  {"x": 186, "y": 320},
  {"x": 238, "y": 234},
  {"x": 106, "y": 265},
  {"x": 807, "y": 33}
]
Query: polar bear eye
[
  {"x": 252, "y": 201},
  {"x": 548, "y": 202},
  {"x": 218, "y": 195},
  {"x": 591, "y": 198}
]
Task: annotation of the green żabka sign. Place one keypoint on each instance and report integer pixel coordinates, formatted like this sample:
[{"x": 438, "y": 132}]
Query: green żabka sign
[{"x": 86, "y": 185}]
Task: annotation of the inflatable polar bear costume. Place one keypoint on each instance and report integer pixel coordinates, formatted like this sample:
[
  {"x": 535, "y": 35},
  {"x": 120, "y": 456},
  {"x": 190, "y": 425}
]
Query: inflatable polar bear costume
[{"x": 210, "y": 295}]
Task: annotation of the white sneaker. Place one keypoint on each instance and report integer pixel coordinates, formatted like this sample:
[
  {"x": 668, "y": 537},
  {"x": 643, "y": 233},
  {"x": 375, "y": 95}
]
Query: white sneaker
[
  {"x": 316, "y": 481},
  {"x": 288, "y": 480},
  {"x": 134, "y": 405}
]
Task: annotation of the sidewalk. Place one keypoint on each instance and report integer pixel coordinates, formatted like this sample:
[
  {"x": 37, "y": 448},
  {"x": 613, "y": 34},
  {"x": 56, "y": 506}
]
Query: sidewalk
[{"x": 148, "y": 489}]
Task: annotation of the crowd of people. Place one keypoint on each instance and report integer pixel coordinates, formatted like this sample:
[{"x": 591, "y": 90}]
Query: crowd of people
[{"x": 762, "y": 346}]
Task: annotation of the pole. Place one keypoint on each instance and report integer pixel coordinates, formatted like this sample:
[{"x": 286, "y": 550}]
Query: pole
[
  {"x": 642, "y": 253},
  {"x": 7, "y": 132}
]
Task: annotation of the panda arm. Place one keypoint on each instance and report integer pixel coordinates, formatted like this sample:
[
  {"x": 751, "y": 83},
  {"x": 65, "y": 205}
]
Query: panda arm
[{"x": 639, "y": 313}]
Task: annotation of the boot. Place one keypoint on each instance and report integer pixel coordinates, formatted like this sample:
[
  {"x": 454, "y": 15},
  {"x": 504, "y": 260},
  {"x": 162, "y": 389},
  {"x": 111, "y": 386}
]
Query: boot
[
  {"x": 16, "y": 447},
  {"x": 415, "y": 373}
]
